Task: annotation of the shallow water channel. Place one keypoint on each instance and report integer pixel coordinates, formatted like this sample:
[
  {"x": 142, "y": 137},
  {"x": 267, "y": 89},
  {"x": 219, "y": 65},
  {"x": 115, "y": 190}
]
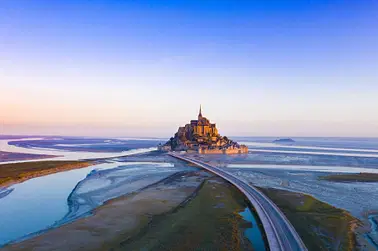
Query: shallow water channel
[
  {"x": 37, "y": 204},
  {"x": 253, "y": 233}
]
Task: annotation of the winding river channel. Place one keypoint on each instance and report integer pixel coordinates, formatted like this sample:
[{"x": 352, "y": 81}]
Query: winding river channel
[{"x": 40, "y": 203}]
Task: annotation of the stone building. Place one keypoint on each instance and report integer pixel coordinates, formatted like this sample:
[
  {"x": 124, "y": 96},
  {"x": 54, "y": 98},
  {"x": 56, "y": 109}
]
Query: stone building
[
  {"x": 202, "y": 136},
  {"x": 202, "y": 127}
]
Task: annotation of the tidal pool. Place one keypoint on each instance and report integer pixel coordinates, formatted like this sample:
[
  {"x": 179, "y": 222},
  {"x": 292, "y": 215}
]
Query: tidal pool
[
  {"x": 372, "y": 236},
  {"x": 253, "y": 233}
]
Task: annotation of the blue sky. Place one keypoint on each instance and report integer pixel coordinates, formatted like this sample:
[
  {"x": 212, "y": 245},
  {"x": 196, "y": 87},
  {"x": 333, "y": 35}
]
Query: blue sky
[{"x": 141, "y": 68}]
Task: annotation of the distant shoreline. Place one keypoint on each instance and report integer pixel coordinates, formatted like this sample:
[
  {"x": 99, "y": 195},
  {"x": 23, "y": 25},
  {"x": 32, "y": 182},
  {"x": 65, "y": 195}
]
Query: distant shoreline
[
  {"x": 6, "y": 157},
  {"x": 11, "y": 174},
  {"x": 351, "y": 177}
]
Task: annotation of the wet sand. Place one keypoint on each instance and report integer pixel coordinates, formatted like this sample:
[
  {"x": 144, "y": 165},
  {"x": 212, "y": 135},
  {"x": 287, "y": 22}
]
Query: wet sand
[{"x": 64, "y": 155}]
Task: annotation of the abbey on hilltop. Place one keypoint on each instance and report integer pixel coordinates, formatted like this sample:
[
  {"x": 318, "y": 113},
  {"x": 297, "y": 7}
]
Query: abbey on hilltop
[{"x": 202, "y": 136}]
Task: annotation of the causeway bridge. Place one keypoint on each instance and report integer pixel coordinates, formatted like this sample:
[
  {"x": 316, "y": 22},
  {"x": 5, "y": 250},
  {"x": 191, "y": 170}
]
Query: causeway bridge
[{"x": 280, "y": 234}]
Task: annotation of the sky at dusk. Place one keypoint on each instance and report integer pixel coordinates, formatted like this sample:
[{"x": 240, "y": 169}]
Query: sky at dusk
[{"x": 142, "y": 68}]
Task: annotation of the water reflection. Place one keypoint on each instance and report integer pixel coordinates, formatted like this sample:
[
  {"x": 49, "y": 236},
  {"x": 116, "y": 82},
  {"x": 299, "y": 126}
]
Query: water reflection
[
  {"x": 46, "y": 201},
  {"x": 253, "y": 233}
]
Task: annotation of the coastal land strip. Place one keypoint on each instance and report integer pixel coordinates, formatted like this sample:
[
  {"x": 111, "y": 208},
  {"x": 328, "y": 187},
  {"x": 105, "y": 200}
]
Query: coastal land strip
[
  {"x": 12, "y": 156},
  {"x": 320, "y": 225},
  {"x": 19, "y": 172},
  {"x": 187, "y": 212},
  {"x": 351, "y": 177}
]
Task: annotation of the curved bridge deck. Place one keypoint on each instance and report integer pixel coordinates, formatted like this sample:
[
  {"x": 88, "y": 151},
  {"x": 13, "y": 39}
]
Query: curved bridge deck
[{"x": 280, "y": 234}]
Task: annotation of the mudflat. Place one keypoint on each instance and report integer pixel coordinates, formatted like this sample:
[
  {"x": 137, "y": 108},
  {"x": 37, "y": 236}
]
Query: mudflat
[
  {"x": 185, "y": 213},
  {"x": 320, "y": 225},
  {"x": 209, "y": 221},
  {"x": 351, "y": 177},
  {"x": 117, "y": 218}
]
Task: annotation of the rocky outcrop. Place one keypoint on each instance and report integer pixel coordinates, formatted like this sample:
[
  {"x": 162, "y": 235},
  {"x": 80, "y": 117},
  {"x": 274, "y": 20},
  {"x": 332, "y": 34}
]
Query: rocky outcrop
[{"x": 284, "y": 141}]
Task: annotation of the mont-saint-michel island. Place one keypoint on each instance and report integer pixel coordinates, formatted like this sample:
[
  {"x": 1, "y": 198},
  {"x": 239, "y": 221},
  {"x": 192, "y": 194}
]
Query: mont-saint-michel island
[
  {"x": 188, "y": 125},
  {"x": 201, "y": 136}
]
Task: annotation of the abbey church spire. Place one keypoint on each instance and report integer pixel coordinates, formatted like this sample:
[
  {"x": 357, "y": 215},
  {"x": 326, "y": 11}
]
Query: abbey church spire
[{"x": 202, "y": 136}]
